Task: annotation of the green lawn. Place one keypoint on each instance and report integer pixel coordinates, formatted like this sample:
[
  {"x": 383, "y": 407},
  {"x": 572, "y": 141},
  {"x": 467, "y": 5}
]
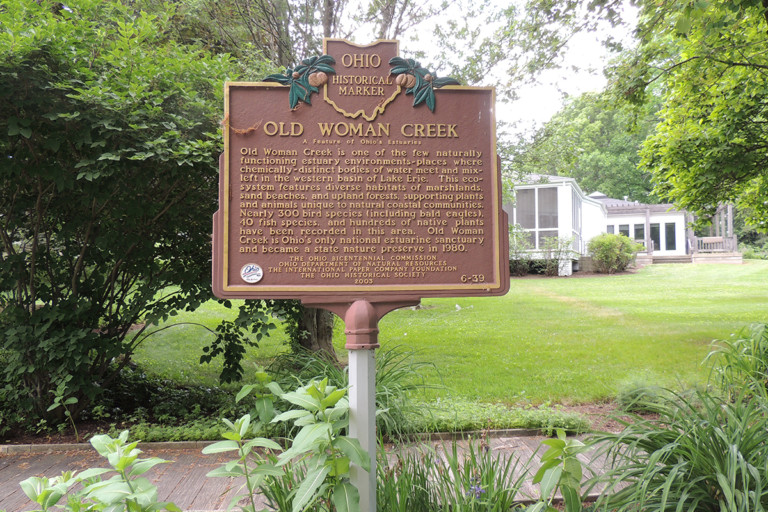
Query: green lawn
[{"x": 561, "y": 340}]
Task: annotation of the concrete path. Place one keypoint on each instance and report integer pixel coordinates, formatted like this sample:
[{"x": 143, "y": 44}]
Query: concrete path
[{"x": 184, "y": 481}]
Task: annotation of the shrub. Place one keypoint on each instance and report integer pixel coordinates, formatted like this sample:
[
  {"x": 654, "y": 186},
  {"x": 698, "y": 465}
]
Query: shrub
[
  {"x": 519, "y": 250},
  {"x": 612, "y": 253},
  {"x": 556, "y": 252},
  {"x": 699, "y": 454},
  {"x": 397, "y": 376}
]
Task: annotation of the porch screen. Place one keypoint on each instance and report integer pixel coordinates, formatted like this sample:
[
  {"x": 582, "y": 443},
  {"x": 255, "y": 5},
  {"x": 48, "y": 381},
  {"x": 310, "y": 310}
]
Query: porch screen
[
  {"x": 547, "y": 208},
  {"x": 526, "y": 208}
]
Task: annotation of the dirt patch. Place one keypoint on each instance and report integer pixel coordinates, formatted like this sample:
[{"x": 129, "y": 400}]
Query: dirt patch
[
  {"x": 85, "y": 431},
  {"x": 604, "y": 417}
]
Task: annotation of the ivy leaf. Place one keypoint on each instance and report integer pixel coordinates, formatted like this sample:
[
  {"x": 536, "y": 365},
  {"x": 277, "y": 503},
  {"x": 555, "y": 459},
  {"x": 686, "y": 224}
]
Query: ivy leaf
[
  {"x": 281, "y": 79},
  {"x": 441, "y": 82}
]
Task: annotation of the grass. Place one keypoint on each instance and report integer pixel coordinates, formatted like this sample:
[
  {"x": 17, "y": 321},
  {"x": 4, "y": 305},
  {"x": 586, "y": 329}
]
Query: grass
[{"x": 559, "y": 340}]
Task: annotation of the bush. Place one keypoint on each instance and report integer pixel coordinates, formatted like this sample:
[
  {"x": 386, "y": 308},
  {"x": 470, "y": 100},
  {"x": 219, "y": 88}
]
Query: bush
[
  {"x": 397, "y": 376},
  {"x": 556, "y": 251},
  {"x": 612, "y": 253},
  {"x": 519, "y": 250}
]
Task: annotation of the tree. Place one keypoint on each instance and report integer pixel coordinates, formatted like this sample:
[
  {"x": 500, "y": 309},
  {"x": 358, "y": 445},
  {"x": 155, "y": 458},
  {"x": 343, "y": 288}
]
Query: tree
[
  {"x": 107, "y": 187},
  {"x": 596, "y": 143},
  {"x": 285, "y": 32},
  {"x": 511, "y": 44},
  {"x": 711, "y": 145}
]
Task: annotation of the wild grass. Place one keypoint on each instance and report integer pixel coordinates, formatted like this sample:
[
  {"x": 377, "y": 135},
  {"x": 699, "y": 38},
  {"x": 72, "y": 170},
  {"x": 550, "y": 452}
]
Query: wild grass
[
  {"x": 698, "y": 454},
  {"x": 558, "y": 340}
]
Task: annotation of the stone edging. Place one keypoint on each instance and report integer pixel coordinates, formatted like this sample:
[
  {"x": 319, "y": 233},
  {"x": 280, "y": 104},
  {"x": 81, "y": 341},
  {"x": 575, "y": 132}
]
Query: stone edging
[{"x": 20, "y": 449}]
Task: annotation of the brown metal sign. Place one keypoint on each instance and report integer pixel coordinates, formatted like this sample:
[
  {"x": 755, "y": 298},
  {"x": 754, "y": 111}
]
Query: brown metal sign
[{"x": 359, "y": 174}]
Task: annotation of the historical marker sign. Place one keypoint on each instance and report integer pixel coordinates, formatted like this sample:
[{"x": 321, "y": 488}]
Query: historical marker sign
[{"x": 359, "y": 174}]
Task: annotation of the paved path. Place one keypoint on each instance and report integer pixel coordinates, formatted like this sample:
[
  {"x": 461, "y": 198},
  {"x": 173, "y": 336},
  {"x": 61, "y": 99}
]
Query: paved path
[{"x": 184, "y": 481}]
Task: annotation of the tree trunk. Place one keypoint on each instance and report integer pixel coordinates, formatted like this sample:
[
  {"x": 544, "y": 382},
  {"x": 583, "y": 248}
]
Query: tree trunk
[{"x": 316, "y": 326}]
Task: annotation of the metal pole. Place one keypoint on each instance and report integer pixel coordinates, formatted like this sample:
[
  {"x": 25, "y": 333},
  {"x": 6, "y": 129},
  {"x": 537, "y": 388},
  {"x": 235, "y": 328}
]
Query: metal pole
[
  {"x": 362, "y": 331},
  {"x": 362, "y": 422}
]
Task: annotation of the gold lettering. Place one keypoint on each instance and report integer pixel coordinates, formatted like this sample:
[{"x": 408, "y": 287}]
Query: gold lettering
[{"x": 430, "y": 131}]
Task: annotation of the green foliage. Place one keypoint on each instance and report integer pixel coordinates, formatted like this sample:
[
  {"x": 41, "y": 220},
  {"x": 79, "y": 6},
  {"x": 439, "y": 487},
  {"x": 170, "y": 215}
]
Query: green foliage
[
  {"x": 449, "y": 478},
  {"x": 108, "y": 180},
  {"x": 740, "y": 364},
  {"x": 519, "y": 250},
  {"x": 561, "y": 470},
  {"x": 709, "y": 147},
  {"x": 595, "y": 142},
  {"x": 424, "y": 83},
  {"x": 398, "y": 378},
  {"x": 298, "y": 79},
  {"x": 633, "y": 394},
  {"x": 699, "y": 453},
  {"x": 555, "y": 252},
  {"x": 612, "y": 253},
  {"x": 455, "y": 414},
  {"x": 126, "y": 490},
  {"x": 313, "y": 473},
  {"x": 322, "y": 414},
  {"x": 250, "y": 465}
]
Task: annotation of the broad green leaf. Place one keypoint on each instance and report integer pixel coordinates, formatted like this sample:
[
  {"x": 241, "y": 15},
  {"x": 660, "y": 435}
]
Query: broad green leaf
[
  {"x": 245, "y": 391},
  {"x": 306, "y": 439},
  {"x": 303, "y": 400},
  {"x": 221, "y": 446},
  {"x": 340, "y": 466},
  {"x": 262, "y": 442},
  {"x": 109, "y": 492},
  {"x": 351, "y": 447},
  {"x": 33, "y": 486},
  {"x": 544, "y": 468},
  {"x": 572, "y": 471},
  {"x": 291, "y": 415},
  {"x": 333, "y": 398},
  {"x": 346, "y": 497},
  {"x": 306, "y": 491},
  {"x": 549, "y": 481},
  {"x": 571, "y": 498},
  {"x": 225, "y": 471},
  {"x": 145, "y": 465}
]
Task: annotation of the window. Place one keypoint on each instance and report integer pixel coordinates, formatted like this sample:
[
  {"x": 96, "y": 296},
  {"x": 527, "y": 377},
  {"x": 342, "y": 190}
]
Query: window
[
  {"x": 669, "y": 234},
  {"x": 656, "y": 237},
  {"x": 536, "y": 212},
  {"x": 610, "y": 229},
  {"x": 576, "y": 212},
  {"x": 526, "y": 208},
  {"x": 547, "y": 208},
  {"x": 640, "y": 232},
  {"x": 624, "y": 229}
]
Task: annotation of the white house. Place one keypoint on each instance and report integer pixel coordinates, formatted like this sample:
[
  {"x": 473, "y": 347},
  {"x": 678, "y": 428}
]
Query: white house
[
  {"x": 659, "y": 227},
  {"x": 555, "y": 206}
]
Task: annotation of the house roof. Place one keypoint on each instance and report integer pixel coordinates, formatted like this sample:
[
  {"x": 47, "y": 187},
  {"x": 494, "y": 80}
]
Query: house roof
[
  {"x": 541, "y": 179},
  {"x": 625, "y": 206}
]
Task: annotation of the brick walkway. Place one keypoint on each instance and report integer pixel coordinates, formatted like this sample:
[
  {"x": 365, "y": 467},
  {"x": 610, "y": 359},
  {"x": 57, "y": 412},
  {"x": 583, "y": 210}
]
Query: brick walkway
[{"x": 184, "y": 481}]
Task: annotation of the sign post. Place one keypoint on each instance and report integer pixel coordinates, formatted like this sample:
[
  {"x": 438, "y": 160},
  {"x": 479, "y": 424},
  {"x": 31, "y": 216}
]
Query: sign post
[{"x": 359, "y": 182}]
